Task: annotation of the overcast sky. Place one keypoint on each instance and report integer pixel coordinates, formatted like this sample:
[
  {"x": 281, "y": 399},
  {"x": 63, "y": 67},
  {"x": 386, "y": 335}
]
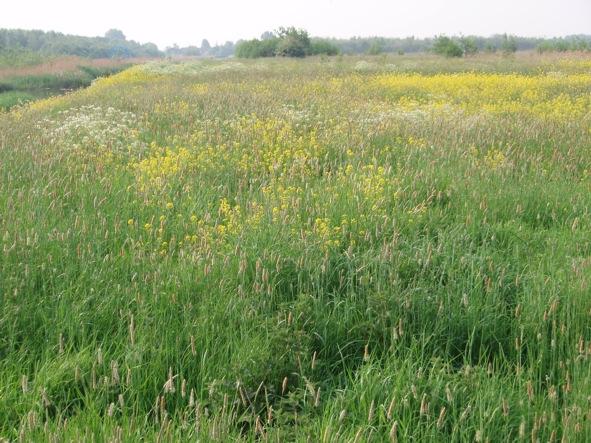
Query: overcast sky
[{"x": 187, "y": 22}]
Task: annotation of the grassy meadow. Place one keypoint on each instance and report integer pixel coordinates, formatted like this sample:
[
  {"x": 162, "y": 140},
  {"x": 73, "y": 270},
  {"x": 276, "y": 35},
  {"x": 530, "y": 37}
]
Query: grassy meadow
[{"x": 324, "y": 250}]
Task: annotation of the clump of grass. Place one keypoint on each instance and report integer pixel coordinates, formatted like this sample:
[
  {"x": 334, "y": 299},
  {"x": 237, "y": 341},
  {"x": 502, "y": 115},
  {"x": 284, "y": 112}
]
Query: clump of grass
[
  {"x": 4, "y": 87},
  {"x": 14, "y": 98}
]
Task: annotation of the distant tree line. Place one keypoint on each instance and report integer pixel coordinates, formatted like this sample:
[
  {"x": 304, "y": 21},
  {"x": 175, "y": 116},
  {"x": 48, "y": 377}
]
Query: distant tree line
[
  {"x": 507, "y": 44},
  {"x": 466, "y": 44},
  {"x": 288, "y": 42},
  {"x": 112, "y": 45},
  {"x": 205, "y": 50},
  {"x": 297, "y": 43},
  {"x": 575, "y": 43}
]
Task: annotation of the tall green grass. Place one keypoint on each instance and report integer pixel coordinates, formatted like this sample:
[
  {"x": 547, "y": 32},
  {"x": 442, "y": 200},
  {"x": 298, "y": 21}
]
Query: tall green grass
[{"x": 10, "y": 99}]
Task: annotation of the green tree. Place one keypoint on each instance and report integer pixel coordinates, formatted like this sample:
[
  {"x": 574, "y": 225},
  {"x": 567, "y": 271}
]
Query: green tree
[
  {"x": 447, "y": 47},
  {"x": 115, "y": 34},
  {"x": 376, "y": 47},
  {"x": 257, "y": 48},
  {"x": 205, "y": 46},
  {"x": 490, "y": 48},
  {"x": 293, "y": 42},
  {"x": 268, "y": 35},
  {"x": 469, "y": 45},
  {"x": 508, "y": 44},
  {"x": 323, "y": 47}
]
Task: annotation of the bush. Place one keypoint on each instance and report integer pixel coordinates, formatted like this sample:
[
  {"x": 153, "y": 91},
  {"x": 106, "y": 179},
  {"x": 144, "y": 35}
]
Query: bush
[
  {"x": 5, "y": 87},
  {"x": 285, "y": 42},
  {"x": 14, "y": 98},
  {"x": 293, "y": 42},
  {"x": 323, "y": 47},
  {"x": 447, "y": 47},
  {"x": 490, "y": 48},
  {"x": 257, "y": 48}
]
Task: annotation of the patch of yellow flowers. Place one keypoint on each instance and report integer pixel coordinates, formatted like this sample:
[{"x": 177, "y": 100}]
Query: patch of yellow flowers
[
  {"x": 311, "y": 169},
  {"x": 155, "y": 172},
  {"x": 564, "y": 96}
]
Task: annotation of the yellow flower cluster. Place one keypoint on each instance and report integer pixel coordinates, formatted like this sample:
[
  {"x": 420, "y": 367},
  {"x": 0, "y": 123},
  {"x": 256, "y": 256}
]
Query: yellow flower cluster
[
  {"x": 155, "y": 172},
  {"x": 564, "y": 96},
  {"x": 135, "y": 75},
  {"x": 328, "y": 235},
  {"x": 374, "y": 187},
  {"x": 285, "y": 201},
  {"x": 495, "y": 159}
]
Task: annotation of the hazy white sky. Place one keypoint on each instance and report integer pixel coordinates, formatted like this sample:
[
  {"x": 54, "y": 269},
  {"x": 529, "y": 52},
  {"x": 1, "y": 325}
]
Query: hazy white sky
[{"x": 186, "y": 22}]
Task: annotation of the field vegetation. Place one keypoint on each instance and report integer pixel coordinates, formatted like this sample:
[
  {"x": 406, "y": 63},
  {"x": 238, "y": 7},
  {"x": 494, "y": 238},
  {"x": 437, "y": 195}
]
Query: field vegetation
[
  {"x": 21, "y": 82},
  {"x": 339, "y": 249}
]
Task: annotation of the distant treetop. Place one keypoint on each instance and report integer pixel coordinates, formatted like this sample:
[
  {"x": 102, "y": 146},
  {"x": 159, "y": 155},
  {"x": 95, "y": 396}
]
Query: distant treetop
[{"x": 115, "y": 34}]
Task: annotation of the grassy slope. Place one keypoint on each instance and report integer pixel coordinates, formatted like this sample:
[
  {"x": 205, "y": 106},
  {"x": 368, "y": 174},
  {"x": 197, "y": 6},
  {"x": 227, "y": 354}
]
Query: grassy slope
[{"x": 324, "y": 251}]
